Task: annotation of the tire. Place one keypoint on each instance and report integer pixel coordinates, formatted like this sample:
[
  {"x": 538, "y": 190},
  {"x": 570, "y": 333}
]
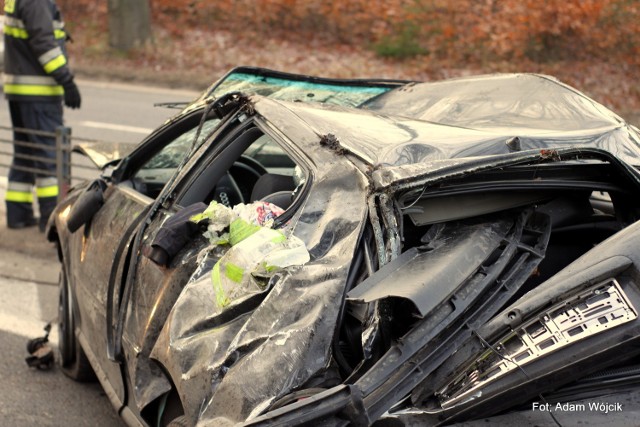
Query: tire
[
  {"x": 181, "y": 421},
  {"x": 73, "y": 361}
]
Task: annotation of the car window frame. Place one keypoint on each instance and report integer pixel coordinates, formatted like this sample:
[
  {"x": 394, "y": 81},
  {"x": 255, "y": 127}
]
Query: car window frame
[
  {"x": 150, "y": 146},
  {"x": 211, "y": 150}
]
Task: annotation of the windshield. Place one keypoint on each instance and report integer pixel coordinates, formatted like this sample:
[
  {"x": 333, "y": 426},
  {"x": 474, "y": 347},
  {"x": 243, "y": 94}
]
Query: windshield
[{"x": 297, "y": 88}]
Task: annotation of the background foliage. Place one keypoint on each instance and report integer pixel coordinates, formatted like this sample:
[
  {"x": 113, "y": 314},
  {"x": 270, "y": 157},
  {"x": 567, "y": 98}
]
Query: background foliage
[
  {"x": 581, "y": 41},
  {"x": 475, "y": 30}
]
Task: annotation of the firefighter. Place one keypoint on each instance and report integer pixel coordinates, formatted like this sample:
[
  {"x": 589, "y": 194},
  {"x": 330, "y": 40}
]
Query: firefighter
[{"x": 37, "y": 79}]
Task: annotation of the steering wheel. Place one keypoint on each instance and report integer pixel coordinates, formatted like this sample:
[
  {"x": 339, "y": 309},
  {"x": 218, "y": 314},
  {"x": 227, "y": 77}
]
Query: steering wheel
[
  {"x": 236, "y": 185},
  {"x": 227, "y": 192},
  {"x": 246, "y": 171},
  {"x": 251, "y": 165}
]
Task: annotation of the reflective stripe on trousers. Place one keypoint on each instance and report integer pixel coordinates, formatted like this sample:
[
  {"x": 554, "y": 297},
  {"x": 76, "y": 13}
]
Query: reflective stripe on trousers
[{"x": 45, "y": 116}]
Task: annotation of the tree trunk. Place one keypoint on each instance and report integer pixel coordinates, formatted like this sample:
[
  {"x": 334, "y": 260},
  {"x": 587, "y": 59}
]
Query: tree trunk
[{"x": 129, "y": 23}]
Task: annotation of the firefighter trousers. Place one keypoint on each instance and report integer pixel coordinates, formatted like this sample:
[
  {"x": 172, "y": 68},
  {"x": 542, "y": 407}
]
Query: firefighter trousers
[{"x": 32, "y": 166}]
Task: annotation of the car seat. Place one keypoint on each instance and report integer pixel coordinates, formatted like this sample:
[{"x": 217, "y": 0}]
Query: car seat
[{"x": 274, "y": 188}]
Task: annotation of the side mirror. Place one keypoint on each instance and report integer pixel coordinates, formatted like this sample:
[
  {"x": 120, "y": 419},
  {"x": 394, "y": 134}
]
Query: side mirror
[{"x": 87, "y": 205}]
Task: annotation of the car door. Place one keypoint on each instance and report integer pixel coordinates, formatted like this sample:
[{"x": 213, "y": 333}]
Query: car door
[
  {"x": 98, "y": 252},
  {"x": 235, "y": 160}
]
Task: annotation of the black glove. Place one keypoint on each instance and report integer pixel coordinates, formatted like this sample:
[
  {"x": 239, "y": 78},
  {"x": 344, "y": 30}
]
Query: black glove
[{"x": 72, "y": 97}]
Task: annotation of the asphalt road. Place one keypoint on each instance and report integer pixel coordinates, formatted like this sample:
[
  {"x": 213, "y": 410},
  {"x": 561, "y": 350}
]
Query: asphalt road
[
  {"x": 116, "y": 112},
  {"x": 111, "y": 112},
  {"x": 30, "y": 397},
  {"x": 29, "y": 270}
]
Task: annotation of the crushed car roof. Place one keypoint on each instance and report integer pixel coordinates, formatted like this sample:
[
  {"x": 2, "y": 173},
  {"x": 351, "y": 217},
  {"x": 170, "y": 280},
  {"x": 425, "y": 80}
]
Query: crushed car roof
[
  {"x": 495, "y": 101},
  {"x": 411, "y": 125}
]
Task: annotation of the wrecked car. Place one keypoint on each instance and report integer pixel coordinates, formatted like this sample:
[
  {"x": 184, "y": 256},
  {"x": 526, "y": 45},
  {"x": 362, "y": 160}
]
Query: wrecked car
[{"x": 292, "y": 250}]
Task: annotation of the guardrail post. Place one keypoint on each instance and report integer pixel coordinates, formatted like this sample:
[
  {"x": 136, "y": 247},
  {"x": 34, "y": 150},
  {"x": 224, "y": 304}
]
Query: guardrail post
[{"x": 63, "y": 160}]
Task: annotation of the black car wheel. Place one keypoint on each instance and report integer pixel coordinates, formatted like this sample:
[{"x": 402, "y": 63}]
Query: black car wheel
[{"x": 73, "y": 360}]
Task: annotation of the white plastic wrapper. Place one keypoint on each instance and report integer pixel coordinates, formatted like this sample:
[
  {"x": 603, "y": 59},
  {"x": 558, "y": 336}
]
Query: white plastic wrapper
[
  {"x": 220, "y": 217},
  {"x": 256, "y": 250}
]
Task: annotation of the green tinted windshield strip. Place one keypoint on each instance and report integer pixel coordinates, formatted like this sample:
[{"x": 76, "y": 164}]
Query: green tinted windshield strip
[
  {"x": 301, "y": 91},
  {"x": 252, "y": 79}
]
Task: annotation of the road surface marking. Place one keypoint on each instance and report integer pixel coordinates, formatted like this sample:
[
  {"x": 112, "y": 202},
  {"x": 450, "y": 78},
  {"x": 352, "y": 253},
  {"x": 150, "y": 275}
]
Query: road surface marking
[
  {"x": 113, "y": 126},
  {"x": 20, "y": 312},
  {"x": 126, "y": 87}
]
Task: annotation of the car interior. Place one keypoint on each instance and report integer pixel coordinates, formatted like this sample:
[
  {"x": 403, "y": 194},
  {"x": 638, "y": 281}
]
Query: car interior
[{"x": 249, "y": 166}]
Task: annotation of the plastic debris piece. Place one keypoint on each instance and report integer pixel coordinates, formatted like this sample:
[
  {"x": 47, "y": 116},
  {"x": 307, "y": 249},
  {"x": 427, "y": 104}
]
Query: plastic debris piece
[
  {"x": 256, "y": 250},
  {"x": 220, "y": 217},
  {"x": 255, "y": 257},
  {"x": 41, "y": 353}
]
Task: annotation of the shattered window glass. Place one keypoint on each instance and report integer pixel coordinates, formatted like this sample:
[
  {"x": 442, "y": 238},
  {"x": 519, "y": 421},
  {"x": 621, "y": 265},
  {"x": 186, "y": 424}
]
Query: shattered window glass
[
  {"x": 299, "y": 91},
  {"x": 171, "y": 155},
  {"x": 156, "y": 172}
]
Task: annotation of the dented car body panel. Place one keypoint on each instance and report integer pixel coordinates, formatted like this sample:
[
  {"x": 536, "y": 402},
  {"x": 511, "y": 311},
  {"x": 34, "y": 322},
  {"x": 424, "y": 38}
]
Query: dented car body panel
[{"x": 435, "y": 241}]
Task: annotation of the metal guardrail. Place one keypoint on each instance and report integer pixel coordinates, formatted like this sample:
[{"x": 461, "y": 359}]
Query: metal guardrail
[{"x": 62, "y": 149}]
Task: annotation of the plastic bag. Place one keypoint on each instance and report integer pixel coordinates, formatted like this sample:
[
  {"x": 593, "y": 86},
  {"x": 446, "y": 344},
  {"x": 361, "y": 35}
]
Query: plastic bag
[
  {"x": 256, "y": 251},
  {"x": 220, "y": 217}
]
